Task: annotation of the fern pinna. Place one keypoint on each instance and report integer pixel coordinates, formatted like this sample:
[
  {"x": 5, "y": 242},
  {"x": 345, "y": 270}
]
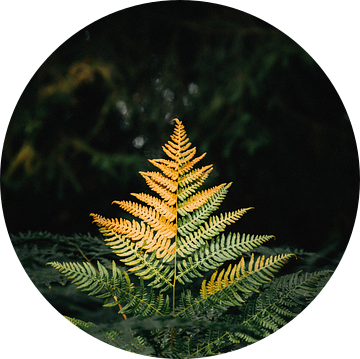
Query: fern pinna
[{"x": 175, "y": 240}]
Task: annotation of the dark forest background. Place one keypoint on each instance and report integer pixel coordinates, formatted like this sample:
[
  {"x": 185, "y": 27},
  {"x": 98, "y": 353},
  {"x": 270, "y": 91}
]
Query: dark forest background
[{"x": 266, "y": 114}]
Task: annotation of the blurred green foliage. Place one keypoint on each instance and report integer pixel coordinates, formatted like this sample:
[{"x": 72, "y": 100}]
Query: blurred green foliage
[{"x": 254, "y": 100}]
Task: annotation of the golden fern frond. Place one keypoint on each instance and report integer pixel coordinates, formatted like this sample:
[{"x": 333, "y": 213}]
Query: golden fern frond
[
  {"x": 187, "y": 166},
  {"x": 244, "y": 280},
  {"x": 156, "y": 177},
  {"x": 192, "y": 180},
  {"x": 197, "y": 200},
  {"x": 169, "y": 168},
  {"x": 169, "y": 212},
  {"x": 178, "y": 150},
  {"x": 133, "y": 230},
  {"x": 161, "y": 188},
  {"x": 143, "y": 235},
  {"x": 149, "y": 215}
]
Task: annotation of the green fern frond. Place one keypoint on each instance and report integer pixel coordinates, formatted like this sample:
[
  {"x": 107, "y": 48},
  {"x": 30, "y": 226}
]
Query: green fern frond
[
  {"x": 117, "y": 286},
  {"x": 191, "y": 221},
  {"x": 197, "y": 200},
  {"x": 85, "y": 276},
  {"x": 80, "y": 323},
  {"x": 281, "y": 301},
  {"x": 146, "y": 304},
  {"x": 215, "y": 225},
  {"x": 144, "y": 265},
  {"x": 216, "y": 252},
  {"x": 192, "y": 181}
]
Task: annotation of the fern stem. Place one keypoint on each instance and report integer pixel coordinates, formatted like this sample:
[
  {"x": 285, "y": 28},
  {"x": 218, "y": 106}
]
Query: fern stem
[
  {"x": 175, "y": 239},
  {"x": 173, "y": 311},
  {"x": 88, "y": 260}
]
